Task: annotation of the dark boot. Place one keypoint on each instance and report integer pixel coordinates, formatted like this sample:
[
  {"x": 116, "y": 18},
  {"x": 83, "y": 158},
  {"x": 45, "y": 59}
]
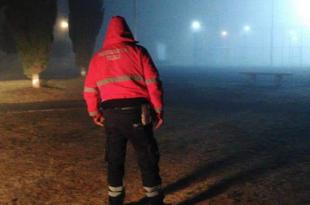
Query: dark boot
[
  {"x": 156, "y": 200},
  {"x": 119, "y": 200}
]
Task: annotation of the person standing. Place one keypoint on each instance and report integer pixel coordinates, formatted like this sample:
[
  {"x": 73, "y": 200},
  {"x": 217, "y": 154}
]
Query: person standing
[{"x": 123, "y": 93}]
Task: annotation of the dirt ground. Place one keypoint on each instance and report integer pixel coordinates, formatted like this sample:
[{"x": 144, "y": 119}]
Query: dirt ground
[
  {"x": 20, "y": 91},
  {"x": 219, "y": 146}
]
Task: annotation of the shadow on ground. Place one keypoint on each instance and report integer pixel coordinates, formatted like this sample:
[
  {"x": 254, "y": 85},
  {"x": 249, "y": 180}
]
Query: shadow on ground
[{"x": 260, "y": 158}]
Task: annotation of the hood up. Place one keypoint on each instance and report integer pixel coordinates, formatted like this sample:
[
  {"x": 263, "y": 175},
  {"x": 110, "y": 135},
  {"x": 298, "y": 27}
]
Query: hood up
[{"x": 118, "y": 31}]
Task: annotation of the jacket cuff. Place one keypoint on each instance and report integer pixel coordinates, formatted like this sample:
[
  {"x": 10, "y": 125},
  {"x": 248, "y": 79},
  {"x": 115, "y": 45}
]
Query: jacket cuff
[
  {"x": 93, "y": 114},
  {"x": 158, "y": 110}
]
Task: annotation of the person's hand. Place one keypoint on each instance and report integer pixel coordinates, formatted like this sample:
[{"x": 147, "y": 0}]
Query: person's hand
[
  {"x": 160, "y": 120},
  {"x": 98, "y": 120}
]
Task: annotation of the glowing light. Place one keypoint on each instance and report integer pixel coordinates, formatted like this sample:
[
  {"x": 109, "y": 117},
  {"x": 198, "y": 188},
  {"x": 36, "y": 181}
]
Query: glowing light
[
  {"x": 64, "y": 25},
  {"x": 302, "y": 9},
  {"x": 196, "y": 26},
  {"x": 247, "y": 28},
  {"x": 35, "y": 81},
  {"x": 83, "y": 72},
  {"x": 224, "y": 34}
]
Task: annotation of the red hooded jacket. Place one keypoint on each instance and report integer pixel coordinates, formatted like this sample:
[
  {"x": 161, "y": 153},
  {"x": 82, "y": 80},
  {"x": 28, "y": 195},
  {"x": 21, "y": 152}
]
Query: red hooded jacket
[{"x": 121, "y": 70}]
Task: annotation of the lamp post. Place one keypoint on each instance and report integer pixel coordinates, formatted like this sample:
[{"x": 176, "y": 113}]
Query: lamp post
[
  {"x": 293, "y": 40},
  {"x": 245, "y": 32},
  {"x": 272, "y": 33},
  {"x": 301, "y": 48},
  {"x": 224, "y": 35},
  {"x": 196, "y": 29}
]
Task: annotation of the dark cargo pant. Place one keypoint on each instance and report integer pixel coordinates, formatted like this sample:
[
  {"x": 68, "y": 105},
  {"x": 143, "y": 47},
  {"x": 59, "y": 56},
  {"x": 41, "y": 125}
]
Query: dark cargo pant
[{"x": 121, "y": 126}]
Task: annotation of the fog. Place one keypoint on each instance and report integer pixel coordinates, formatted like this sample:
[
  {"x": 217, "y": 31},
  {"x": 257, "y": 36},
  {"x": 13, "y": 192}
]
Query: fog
[
  {"x": 258, "y": 34},
  {"x": 225, "y": 35},
  {"x": 236, "y": 84}
]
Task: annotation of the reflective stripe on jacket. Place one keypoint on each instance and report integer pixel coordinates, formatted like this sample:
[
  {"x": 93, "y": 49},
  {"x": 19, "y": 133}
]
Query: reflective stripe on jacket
[{"x": 121, "y": 69}]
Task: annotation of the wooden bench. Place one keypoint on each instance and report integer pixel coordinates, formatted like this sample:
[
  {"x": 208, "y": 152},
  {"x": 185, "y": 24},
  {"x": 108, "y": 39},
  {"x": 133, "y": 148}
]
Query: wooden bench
[{"x": 277, "y": 76}]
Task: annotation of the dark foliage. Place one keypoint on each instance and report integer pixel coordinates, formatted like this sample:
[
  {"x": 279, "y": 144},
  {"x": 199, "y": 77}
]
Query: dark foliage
[
  {"x": 7, "y": 43},
  {"x": 3, "y": 3},
  {"x": 32, "y": 24},
  {"x": 85, "y": 20}
]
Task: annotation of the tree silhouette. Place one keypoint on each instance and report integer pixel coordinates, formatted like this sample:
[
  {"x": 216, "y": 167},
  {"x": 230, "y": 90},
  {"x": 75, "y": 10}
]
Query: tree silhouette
[
  {"x": 7, "y": 43},
  {"x": 32, "y": 24},
  {"x": 85, "y": 19},
  {"x": 3, "y": 3}
]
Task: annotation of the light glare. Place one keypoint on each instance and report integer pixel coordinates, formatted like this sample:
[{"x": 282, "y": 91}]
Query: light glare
[
  {"x": 247, "y": 28},
  {"x": 224, "y": 34},
  {"x": 196, "y": 25},
  {"x": 35, "y": 81},
  {"x": 303, "y": 11},
  {"x": 64, "y": 25}
]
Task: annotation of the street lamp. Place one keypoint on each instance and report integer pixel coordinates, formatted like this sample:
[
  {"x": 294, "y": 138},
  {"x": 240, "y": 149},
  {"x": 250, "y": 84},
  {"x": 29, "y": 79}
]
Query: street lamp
[
  {"x": 224, "y": 33},
  {"x": 247, "y": 28},
  {"x": 196, "y": 26},
  {"x": 63, "y": 25},
  {"x": 293, "y": 42},
  {"x": 196, "y": 29}
]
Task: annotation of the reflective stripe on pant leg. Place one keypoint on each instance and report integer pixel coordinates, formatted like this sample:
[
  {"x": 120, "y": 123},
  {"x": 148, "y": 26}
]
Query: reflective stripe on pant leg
[
  {"x": 116, "y": 191},
  {"x": 152, "y": 191}
]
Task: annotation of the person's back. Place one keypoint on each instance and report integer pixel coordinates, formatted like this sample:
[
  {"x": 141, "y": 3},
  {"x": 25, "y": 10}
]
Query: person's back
[
  {"x": 123, "y": 80},
  {"x": 122, "y": 69}
]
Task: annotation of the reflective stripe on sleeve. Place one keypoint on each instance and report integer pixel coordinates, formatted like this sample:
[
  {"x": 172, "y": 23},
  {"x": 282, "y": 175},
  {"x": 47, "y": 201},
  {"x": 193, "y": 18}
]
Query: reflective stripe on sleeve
[
  {"x": 158, "y": 110},
  {"x": 90, "y": 90},
  {"x": 150, "y": 81},
  {"x": 123, "y": 78},
  {"x": 93, "y": 114}
]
